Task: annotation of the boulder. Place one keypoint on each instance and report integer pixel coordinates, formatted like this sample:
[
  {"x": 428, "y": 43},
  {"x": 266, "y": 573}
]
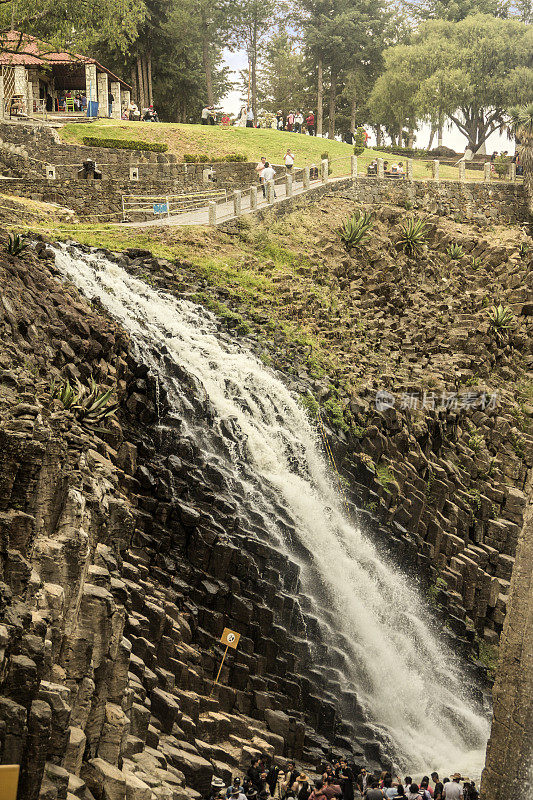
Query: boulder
[{"x": 105, "y": 781}]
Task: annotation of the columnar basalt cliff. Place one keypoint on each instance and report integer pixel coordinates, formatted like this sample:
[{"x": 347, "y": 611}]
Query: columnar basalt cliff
[
  {"x": 508, "y": 770},
  {"x": 120, "y": 566},
  {"x": 125, "y": 550}
]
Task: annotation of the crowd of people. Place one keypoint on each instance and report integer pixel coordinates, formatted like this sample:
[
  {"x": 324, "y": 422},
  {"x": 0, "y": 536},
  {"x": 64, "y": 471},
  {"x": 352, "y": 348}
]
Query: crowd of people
[{"x": 338, "y": 781}]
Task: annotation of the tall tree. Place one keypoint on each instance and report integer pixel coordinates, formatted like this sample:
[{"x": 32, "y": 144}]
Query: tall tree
[
  {"x": 253, "y": 21},
  {"x": 469, "y": 71},
  {"x": 345, "y": 38},
  {"x": 282, "y": 76}
]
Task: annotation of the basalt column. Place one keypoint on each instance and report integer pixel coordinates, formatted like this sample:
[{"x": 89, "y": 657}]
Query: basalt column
[{"x": 508, "y": 769}]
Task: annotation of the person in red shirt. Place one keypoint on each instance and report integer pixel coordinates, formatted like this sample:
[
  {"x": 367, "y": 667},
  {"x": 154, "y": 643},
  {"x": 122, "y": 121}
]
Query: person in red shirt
[{"x": 310, "y": 122}]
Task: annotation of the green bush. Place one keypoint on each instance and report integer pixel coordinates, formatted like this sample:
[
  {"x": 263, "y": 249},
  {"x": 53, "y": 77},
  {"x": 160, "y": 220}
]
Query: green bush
[
  {"x": 359, "y": 144},
  {"x": 501, "y": 166},
  {"x": 202, "y": 158},
  {"x": 403, "y": 151},
  {"x": 124, "y": 144}
]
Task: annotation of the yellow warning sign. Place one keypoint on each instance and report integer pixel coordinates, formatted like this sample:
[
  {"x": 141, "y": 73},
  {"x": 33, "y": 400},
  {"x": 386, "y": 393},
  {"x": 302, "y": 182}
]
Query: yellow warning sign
[
  {"x": 230, "y": 638},
  {"x": 9, "y": 778}
]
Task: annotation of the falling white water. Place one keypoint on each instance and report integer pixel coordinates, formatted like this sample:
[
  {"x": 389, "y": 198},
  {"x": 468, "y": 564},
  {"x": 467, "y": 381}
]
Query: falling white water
[{"x": 408, "y": 684}]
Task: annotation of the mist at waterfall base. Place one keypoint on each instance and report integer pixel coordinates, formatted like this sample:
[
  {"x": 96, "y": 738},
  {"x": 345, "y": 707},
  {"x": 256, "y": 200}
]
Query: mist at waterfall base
[{"x": 409, "y": 685}]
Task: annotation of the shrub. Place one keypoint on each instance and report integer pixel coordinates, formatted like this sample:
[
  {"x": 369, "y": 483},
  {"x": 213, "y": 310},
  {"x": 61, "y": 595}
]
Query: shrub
[
  {"x": 403, "y": 151},
  {"x": 524, "y": 249},
  {"x": 476, "y": 262},
  {"x": 124, "y": 144},
  {"x": 202, "y": 158},
  {"x": 413, "y": 236},
  {"x": 501, "y": 166},
  {"x": 501, "y": 319},
  {"x": 16, "y": 244},
  {"x": 455, "y": 252},
  {"x": 359, "y": 144},
  {"x": 354, "y": 230}
]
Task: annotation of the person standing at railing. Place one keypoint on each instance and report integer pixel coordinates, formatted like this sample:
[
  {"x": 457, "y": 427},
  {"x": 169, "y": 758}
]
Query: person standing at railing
[
  {"x": 260, "y": 169},
  {"x": 289, "y": 160},
  {"x": 267, "y": 175}
]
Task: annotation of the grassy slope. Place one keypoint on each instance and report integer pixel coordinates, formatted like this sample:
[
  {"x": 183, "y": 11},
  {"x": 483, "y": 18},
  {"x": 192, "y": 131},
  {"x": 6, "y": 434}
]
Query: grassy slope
[
  {"x": 284, "y": 273},
  {"x": 253, "y": 143}
]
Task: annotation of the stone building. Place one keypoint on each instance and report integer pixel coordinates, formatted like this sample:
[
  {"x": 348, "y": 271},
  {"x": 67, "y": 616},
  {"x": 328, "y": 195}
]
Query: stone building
[{"x": 33, "y": 76}]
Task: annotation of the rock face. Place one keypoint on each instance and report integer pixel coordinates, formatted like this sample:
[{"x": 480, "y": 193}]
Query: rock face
[
  {"x": 119, "y": 564},
  {"x": 123, "y": 552},
  {"x": 508, "y": 769}
]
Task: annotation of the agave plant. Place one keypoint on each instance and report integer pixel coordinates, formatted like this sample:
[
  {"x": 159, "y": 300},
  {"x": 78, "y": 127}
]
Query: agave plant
[
  {"x": 90, "y": 405},
  {"x": 354, "y": 230},
  {"x": 16, "y": 244},
  {"x": 476, "y": 262},
  {"x": 501, "y": 319},
  {"x": 523, "y": 249},
  {"x": 414, "y": 235},
  {"x": 455, "y": 252}
]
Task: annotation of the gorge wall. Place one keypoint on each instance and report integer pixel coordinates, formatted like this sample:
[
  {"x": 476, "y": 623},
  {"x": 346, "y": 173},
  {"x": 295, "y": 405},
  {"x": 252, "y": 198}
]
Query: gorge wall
[
  {"x": 124, "y": 552},
  {"x": 123, "y": 555}
]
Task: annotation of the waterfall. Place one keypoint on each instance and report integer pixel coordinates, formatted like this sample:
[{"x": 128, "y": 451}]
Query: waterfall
[{"x": 382, "y": 643}]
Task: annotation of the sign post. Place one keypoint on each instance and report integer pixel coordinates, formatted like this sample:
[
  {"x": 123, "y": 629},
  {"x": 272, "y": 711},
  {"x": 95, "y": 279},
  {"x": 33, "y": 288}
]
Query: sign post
[
  {"x": 9, "y": 778},
  {"x": 230, "y": 639}
]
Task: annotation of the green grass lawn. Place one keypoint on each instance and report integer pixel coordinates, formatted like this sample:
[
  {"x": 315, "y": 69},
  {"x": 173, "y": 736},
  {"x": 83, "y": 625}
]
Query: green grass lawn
[{"x": 253, "y": 143}]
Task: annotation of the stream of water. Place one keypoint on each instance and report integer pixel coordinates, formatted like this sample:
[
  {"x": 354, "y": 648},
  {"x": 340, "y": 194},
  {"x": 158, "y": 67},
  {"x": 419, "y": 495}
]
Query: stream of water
[{"x": 410, "y": 686}]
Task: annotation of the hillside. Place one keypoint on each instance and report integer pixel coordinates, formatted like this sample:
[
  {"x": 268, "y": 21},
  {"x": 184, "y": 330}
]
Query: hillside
[{"x": 252, "y": 143}]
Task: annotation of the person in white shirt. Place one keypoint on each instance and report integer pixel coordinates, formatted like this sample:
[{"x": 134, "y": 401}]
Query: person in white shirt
[
  {"x": 289, "y": 160},
  {"x": 452, "y": 790},
  {"x": 267, "y": 175},
  {"x": 298, "y": 122},
  {"x": 259, "y": 169},
  {"x": 205, "y": 115},
  {"x": 250, "y": 118}
]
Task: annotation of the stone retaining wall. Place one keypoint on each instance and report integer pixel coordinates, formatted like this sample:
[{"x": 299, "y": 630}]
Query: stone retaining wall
[
  {"x": 495, "y": 202},
  {"x": 103, "y": 199}
]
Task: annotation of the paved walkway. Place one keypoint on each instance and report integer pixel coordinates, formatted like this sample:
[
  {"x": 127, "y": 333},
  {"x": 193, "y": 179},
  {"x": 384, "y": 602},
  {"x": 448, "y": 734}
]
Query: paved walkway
[{"x": 225, "y": 211}]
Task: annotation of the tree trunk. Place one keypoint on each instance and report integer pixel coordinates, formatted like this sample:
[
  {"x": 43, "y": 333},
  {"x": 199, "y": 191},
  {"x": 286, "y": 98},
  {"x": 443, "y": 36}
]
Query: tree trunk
[
  {"x": 134, "y": 88},
  {"x": 353, "y": 112},
  {"x": 378, "y": 136},
  {"x": 140, "y": 82},
  {"x": 206, "y": 61},
  {"x": 145, "y": 81},
  {"x": 253, "y": 62},
  {"x": 332, "y": 104},
  {"x": 411, "y": 138},
  {"x": 150, "y": 89},
  {"x": 431, "y": 136},
  {"x": 439, "y": 133},
  {"x": 320, "y": 98}
]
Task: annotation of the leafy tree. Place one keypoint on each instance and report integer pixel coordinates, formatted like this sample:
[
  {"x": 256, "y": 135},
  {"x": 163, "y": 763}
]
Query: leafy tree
[
  {"x": 76, "y": 27},
  {"x": 469, "y": 71},
  {"x": 282, "y": 76},
  {"x": 252, "y": 22}
]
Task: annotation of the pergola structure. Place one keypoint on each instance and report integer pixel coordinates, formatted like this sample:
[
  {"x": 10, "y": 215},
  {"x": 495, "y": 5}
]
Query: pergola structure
[{"x": 30, "y": 71}]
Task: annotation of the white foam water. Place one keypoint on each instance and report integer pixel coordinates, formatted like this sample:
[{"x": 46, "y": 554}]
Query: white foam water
[{"x": 408, "y": 683}]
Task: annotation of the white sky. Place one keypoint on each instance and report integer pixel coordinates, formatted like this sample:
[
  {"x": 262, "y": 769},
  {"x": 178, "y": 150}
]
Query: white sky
[{"x": 451, "y": 138}]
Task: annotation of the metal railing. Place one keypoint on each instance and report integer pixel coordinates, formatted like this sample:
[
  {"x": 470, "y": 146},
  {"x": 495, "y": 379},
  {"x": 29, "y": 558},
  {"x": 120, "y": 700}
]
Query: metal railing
[{"x": 169, "y": 204}]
